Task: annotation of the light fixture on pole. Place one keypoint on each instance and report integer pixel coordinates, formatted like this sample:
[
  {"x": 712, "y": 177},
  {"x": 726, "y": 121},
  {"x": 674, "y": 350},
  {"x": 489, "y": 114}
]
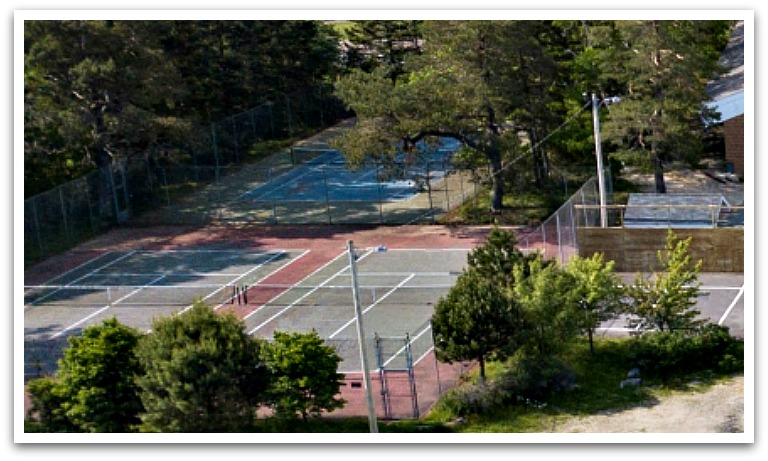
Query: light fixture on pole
[
  {"x": 599, "y": 152},
  {"x": 373, "y": 424}
]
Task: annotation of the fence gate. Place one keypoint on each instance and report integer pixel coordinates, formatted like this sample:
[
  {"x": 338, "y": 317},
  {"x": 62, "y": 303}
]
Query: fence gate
[{"x": 398, "y": 383}]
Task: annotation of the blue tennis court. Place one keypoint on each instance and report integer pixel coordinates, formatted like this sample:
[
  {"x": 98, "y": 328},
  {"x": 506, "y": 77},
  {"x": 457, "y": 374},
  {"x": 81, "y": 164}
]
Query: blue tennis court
[{"x": 327, "y": 178}]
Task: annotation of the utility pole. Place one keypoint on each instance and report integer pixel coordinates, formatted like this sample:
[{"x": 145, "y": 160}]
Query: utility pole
[
  {"x": 599, "y": 154},
  {"x": 361, "y": 340}
]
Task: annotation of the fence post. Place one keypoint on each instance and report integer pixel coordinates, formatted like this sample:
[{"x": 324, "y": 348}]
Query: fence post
[
  {"x": 215, "y": 151},
  {"x": 288, "y": 115},
  {"x": 445, "y": 183},
  {"x": 64, "y": 214},
  {"x": 327, "y": 198},
  {"x": 90, "y": 209},
  {"x": 37, "y": 224},
  {"x": 559, "y": 238},
  {"x": 429, "y": 193},
  {"x": 234, "y": 137},
  {"x": 411, "y": 376},
  {"x": 381, "y": 198},
  {"x": 573, "y": 226},
  {"x": 382, "y": 377}
]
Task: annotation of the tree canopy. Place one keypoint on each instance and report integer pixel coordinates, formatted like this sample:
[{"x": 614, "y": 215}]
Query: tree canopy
[
  {"x": 95, "y": 389},
  {"x": 203, "y": 373},
  {"x": 96, "y": 90},
  {"x": 304, "y": 375}
]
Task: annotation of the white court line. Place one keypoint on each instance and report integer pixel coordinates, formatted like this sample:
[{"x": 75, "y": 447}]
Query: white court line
[
  {"x": 728, "y": 311},
  {"x": 298, "y": 283},
  {"x": 384, "y": 296},
  {"x": 284, "y": 184},
  {"x": 325, "y": 282},
  {"x": 77, "y": 267},
  {"x": 269, "y": 275},
  {"x": 105, "y": 308},
  {"x": 427, "y": 328},
  {"x": 89, "y": 274},
  {"x": 171, "y": 274},
  {"x": 259, "y": 266}
]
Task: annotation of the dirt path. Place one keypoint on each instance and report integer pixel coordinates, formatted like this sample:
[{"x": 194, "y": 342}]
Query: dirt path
[{"x": 719, "y": 408}]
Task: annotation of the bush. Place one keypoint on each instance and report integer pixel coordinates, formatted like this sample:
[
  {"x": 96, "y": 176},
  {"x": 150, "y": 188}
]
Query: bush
[
  {"x": 469, "y": 399},
  {"x": 664, "y": 354},
  {"x": 537, "y": 379}
]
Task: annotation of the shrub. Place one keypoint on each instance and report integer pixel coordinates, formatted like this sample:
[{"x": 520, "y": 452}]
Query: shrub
[
  {"x": 469, "y": 399},
  {"x": 664, "y": 354},
  {"x": 537, "y": 379}
]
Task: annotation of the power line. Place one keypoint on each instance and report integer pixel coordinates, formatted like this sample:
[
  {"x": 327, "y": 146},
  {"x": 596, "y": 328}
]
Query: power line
[{"x": 534, "y": 146}]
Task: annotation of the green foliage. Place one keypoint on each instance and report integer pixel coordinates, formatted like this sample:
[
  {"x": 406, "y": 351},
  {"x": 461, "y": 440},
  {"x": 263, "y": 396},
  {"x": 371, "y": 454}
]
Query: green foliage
[
  {"x": 47, "y": 406},
  {"x": 472, "y": 77},
  {"x": 303, "y": 376},
  {"x": 468, "y": 399},
  {"x": 667, "y": 354},
  {"x": 476, "y": 321},
  {"x": 95, "y": 389},
  {"x": 661, "y": 69},
  {"x": 545, "y": 294},
  {"x": 203, "y": 373},
  {"x": 667, "y": 300},
  {"x": 597, "y": 289},
  {"x": 536, "y": 379},
  {"x": 497, "y": 257},
  {"x": 95, "y": 90}
]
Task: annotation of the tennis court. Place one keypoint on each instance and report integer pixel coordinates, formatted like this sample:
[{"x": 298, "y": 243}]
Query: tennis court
[
  {"x": 397, "y": 291},
  {"x": 322, "y": 175},
  {"x": 135, "y": 287}
]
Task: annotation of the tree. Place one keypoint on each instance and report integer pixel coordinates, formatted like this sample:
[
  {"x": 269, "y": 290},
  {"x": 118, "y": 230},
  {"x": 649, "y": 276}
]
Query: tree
[
  {"x": 476, "y": 320},
  {"x": 203, "y": 373},
  {"x": 666, "y": 299},
  {"x": 597, "y": 289},
  {"x": 383, "y": 43},
  {"x": 546, "y": 298},
  {"x": 476, "y": 82},
  {"x": 92, "y": 91},
  {"x": 304, "y": 375},
  {"x": 47, "y": 406},
  {"x": 497, "y": 257},
  {"x": 95, "y": 387},
  {"x": 662, "y": 69}
]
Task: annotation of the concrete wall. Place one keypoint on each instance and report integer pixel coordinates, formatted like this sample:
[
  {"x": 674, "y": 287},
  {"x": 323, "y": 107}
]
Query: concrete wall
[
  {"x": 733, "y": 130},
  {"x": 635, "y": 250}
]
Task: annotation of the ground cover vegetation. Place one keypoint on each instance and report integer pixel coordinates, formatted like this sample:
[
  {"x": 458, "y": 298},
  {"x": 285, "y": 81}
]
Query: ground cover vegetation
[{"x": 550, "y": 365}]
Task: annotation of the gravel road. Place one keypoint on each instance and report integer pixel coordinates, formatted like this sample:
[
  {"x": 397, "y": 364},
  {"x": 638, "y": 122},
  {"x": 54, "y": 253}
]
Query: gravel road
[{"x": 719, "y": 408}]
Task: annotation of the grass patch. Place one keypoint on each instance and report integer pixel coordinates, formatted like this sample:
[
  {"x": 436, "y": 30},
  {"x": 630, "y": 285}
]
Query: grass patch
[{"x": 521, "y": 208}]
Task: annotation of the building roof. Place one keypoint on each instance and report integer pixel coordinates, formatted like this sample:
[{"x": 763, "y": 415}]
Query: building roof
[
  {"x": 727, "y": 91},
  {"x": 673, "y": 210}
]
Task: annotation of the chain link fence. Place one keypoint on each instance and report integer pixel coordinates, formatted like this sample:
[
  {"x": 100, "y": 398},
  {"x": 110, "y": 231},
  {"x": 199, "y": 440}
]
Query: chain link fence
[
  {"x": 65, "y": 216},
  {"x": 406, "y": 378},
  {"x": 555, "y": 238},
  {"x": 59, "y": 219}
]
